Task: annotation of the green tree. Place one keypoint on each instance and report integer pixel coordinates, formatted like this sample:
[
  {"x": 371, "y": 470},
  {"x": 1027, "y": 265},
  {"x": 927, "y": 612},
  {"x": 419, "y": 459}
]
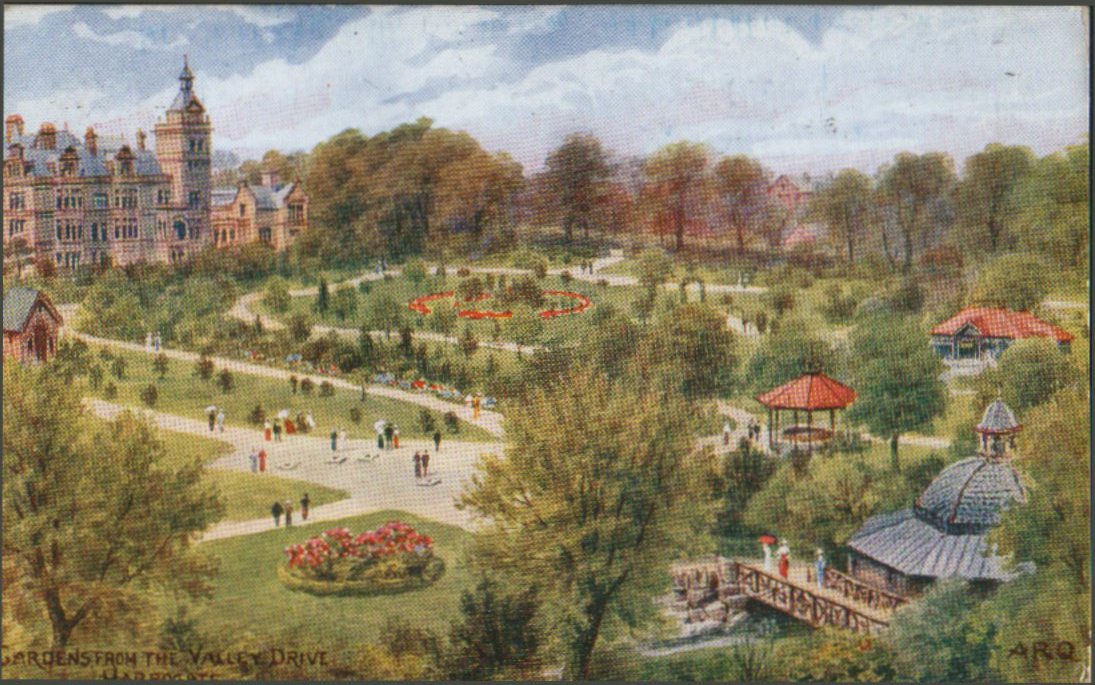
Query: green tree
[
  {"x": 86, "y": 545},
  {"x": 571, "y": 189},
  {"x": 159, "y": 365},
  {"x": 595, "y": 510},
  {"x": 415, "y": 271},
  {"x": 691, "y": 347},
  {"x": 426, "y": 421},
  {"x": 1014, "y": 281},
  {"x": 985, "y": 197},
  {"x": 1027, "y": 374},
  {"x": 654, "y": 267},
  {"x": 742, "y": 185},
  {"x": 276, "y": 295},
  {"x": 897, "y": 378},
  {"x": 1053, "y": 218},
  {"x": 443, "y": 319},
  {"x": 911, "y": 188},
  {"x": 225, "y": 381},
  {"x": 469, "y": 344},
  {"x": 323, "y": 297},
  {"x": 847, "y": 206},
  {"x": 386, "y": 314},
  {"x": 345, "y": 302},
  {"x": 496, "y": 636},
  {"x": 787, "y": 354},
  {"x": 300, "y": 326},
  {"x": 203, "y": 368},
  {"x": 149, "y": 394}
]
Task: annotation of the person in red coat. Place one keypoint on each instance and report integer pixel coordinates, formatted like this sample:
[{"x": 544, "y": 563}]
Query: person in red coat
[
  {"x": 262, "y": 461},
  {"x": 784, "y": 559}
]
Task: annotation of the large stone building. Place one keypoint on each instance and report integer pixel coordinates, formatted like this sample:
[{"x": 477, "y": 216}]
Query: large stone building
[
  {"x": 272, "y": 213},
  {"x": 96, "y": 200}
]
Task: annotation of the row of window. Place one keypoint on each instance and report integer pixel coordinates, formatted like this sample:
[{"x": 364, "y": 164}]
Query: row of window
[
  {"x": 17, "y": 201},
  {"x": 197, "y": 164},
  {"x": 16, "y": 226},
  {"x": 68, "y": 260},
  {"x": 69, "y": 230},
  {"x": 197, "y": 144}
]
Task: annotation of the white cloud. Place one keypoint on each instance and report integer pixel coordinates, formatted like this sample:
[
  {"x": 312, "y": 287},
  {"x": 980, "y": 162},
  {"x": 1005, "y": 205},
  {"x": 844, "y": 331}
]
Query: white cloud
[
  {"x": 260, "y": 16},
  {"x": 127, "y": 38},
  {"x": 30, "y": 15}
]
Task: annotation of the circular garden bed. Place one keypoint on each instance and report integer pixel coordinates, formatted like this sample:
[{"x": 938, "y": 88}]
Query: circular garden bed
[{"x": 391, "y": 559}]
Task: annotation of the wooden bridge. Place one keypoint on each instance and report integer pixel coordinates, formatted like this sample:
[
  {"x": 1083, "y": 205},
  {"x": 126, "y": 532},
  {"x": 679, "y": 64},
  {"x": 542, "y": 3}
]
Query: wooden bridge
[{"x": 841, "y": 601}]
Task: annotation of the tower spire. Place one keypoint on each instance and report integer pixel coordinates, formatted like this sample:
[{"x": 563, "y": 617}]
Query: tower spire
[{"x": 186, "y": 77}]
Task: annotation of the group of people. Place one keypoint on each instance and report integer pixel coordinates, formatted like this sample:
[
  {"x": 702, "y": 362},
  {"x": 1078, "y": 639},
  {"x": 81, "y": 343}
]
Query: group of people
[
  {"x": 586, "y": 267},
  {"x": 258, "y": 461},
  {"x": 753, "y": 431},
  {"x": 279, "y": 509},
  {"x": 388, "y": 437},
  {"x": 422, "y": 464},
  {"x": 784, "y": 554},
  {"x": 272, "y": 430},
  {"x": 216, "y": 418},
  {"x": 152, "y": 342}
]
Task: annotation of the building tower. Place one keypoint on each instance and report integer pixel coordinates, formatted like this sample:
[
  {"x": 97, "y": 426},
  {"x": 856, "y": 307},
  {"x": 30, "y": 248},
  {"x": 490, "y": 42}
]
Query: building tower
[{"x": 183, "y": 147}]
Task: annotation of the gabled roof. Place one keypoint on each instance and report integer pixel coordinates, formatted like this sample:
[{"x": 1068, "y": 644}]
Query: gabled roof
[
  {"x": 994, "y": 322},
  {"x": 812, "y": 391},
  {"x": 18, "y": 305}
]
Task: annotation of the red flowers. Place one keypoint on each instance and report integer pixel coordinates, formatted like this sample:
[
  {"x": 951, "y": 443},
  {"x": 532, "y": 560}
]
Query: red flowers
[
  {"x": 419, "y": 305},
  {"x": 320, "y": 553}
]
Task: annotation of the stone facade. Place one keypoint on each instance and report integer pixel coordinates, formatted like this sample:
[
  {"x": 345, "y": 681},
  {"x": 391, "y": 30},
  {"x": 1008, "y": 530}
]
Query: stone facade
[
  {"x": 76, "y": 202},
  {"x": 272, "y": 213}
]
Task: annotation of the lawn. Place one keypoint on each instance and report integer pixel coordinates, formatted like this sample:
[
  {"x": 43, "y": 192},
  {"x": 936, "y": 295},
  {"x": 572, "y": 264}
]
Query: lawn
[
  {"x": 182, "y": 392},
  {"x": 249, "y": 601},
  {"x": 246, "y": 495}
]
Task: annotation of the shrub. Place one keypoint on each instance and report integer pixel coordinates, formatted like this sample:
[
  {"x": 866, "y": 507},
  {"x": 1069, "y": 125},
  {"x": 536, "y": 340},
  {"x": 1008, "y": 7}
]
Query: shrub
[
  {"x": 566, "y": 277},
  {"x": 293, "y": 381},
  {"x": 117, "y": 367},
  {"x": 426, "y": 421},
  {"x": 306, "y": 386},
  {"x": 225, "y": 380},
  {"x": 415, "y": 271},
  {"x": 95, "y": 376},
  {"x": 257, "y": 415},
  {"x": 452, "y": 423},
  {"x": 781, "y": 297},
  {"x": 463, "y": 272},
  {"x": 541, "y": 270},
  {"x": 110, "y": 391},
  {"x": 159, "y": 364},
  {"x": 300, "y": 326},
  {"x": 326, "y": 389},
  {"x": 355, "y": 414},
  {"x": 276, "y": 296},
  {"x": 203, "y": 368},
  {"x": 149, "y": 395},
  {"x": 838, "y": 307}
]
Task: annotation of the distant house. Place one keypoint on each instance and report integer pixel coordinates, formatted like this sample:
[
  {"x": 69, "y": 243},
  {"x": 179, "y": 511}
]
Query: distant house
[
  {"x": 978, "y": 332},
  {"x": 791, "y": 194},
  {"x": 803, "y": 236},
  {"x": 272, "y": 213},
  {"x": 31, "y": 325}
]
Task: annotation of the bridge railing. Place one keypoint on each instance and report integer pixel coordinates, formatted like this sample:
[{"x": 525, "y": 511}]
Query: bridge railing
[
  {"x": 861, "y": 592},
  {"x": 803, "y": 604}
]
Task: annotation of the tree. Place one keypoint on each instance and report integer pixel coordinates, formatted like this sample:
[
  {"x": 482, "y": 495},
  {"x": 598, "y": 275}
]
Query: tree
[
  {"x": 415, "y": 271},
  {"x": 655, "y": 267},
  {"x": 426, "y": 421},
  {"x": 159, "y": 365},
  {"x": 571, "y": 190},
  {"x": 469, "y": 344},
  {"x": 1053, "y": 218},
  {"x": 691, "y": 347},
  {"x": 386, "y": 314},
  {"x": 149, "y": 394},
  {"x": 847, "y": 206},
  {"x": 788, "y": 353},
  {"x": 257, "y": 415},
  {"x": 323, "y": 297},
  {"x": 745, "y": 472},
  {"x": 118, "y": 367},
  {"x": 225, "y": 381},
  {"x": 911, "y": 188},
  {"x": 742, "y": 186},
  {"x": 300, "y": 326},
  {"x": 86, "y": 544},
  {"x": 592, "y": 511},
  {"x": 676, "y": 187},
  {"x": 1027, "y": 374},
  {"x": 204, "y": 368},
  {"x": 276, "y": 295},
  {"x": 496, "y": 635},
  {"x": 1014, "y": 281},
  {"x": 307, "y": 385},
  {"x": 985, "y": 197},
  {"x": 897, "y": 378},
  {"x": 345, "y": 302}
]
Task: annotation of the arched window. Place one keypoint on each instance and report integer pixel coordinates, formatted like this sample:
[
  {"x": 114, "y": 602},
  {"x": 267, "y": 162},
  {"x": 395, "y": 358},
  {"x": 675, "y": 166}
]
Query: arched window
[{"x": 180, "y": 229}]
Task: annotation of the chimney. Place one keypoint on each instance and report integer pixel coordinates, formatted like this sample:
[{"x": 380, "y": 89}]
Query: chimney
[
  {"x": 47, "y": 137},
  {"x": 269, "y": 178},
  {"x": 140, "y": 139},
  {"x": 13, "y": 126},
  {"x": 91, "y": 141}
]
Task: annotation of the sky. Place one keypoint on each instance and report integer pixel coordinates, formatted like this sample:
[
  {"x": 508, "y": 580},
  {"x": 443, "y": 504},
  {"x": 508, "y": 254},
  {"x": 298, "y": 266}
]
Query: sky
[{"x": 804, "y": 89}]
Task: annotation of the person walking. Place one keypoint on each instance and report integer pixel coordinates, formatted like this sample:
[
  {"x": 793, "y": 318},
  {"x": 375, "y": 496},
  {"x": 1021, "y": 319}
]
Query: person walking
[
  {"x": 395, "y": 437},
  {"x": 819, "y": 566},
  {"x": 726, "y": 433},
  {"x": 148, "y": 343},
  {"x": 426, "y": 464},
  {"x": 767, "y": 556},
  {"x": 334, "y": 439},
  {"x": 305, "y": 502},
  {"x": 212, "y": 414},
  {"x": 267, "y": 429},
  {"x": 220, "y": 420},
  {"x": 262, "y": 460},
  {"x": 380, "y": 441},
  {"x": 784, "y": 553},
  {"x": 254, "y": 457},
  {"x": 475, "y": 404},
  {"x": 341, "y": 438},
  {"x": 288, "y": 514},
  {"x": 389, "y": 432},
  {"x": 158, "y": 342},
  {"x": 437, "y": 441},
  {"x": 276, "y": 511},
  {"x": 417, "y": 465},
  {"x": 277, "y": 430}
]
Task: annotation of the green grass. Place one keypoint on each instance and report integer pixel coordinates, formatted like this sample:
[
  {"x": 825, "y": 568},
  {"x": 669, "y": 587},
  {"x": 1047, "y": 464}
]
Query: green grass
[
  {"x": 249, "y": 599},
  {"x": 246, "y": 495},
  {"x": 182, "y": 392}
]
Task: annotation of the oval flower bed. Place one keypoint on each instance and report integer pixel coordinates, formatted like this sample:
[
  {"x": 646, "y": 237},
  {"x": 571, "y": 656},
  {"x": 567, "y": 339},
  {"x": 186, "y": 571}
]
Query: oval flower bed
[
  {"x": 393, "y": 558},
  {"x": 419, "y": 304}
]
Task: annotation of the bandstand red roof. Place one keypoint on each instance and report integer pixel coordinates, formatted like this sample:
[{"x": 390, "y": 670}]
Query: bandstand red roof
[
  {"x": 992, "y": 322},
  {"x": 810, "y": 392}
]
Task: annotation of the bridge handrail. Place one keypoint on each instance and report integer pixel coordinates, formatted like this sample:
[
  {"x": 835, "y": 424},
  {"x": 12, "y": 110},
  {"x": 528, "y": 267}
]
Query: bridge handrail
[
  {"x": 874, "y": 597},
  {"x": 780, "y": 593}
]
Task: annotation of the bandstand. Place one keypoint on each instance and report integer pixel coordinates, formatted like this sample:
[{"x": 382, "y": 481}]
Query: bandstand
[{"x": 809, "y": 393}]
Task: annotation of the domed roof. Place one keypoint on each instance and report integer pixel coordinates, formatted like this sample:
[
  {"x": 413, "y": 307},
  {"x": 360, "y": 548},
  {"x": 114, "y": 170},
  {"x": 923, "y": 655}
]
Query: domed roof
[
  {"x": 998, "y": 419},
  {"x": 968, "y": 496}
]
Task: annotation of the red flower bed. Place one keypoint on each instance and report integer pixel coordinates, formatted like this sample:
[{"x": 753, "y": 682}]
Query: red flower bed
[
  {"x": 419, "y": 305},
  {"x": 320, "y": 554}
]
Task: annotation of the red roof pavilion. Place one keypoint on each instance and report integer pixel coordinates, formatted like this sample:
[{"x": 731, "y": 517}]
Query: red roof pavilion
[
  {"x": 810, "y": 392},
  {"x": 992, "y": 322}
]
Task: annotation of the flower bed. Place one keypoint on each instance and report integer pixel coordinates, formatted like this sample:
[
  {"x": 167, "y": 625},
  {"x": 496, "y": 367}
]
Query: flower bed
[
  {"x": 393, "y": 558},
  {"x": 419, "y": 304}
]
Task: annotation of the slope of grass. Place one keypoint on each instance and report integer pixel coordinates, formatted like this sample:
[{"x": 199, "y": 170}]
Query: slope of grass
[
  {"x": 246, "y": 495},
  {"x": 182, "y": 392}
]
